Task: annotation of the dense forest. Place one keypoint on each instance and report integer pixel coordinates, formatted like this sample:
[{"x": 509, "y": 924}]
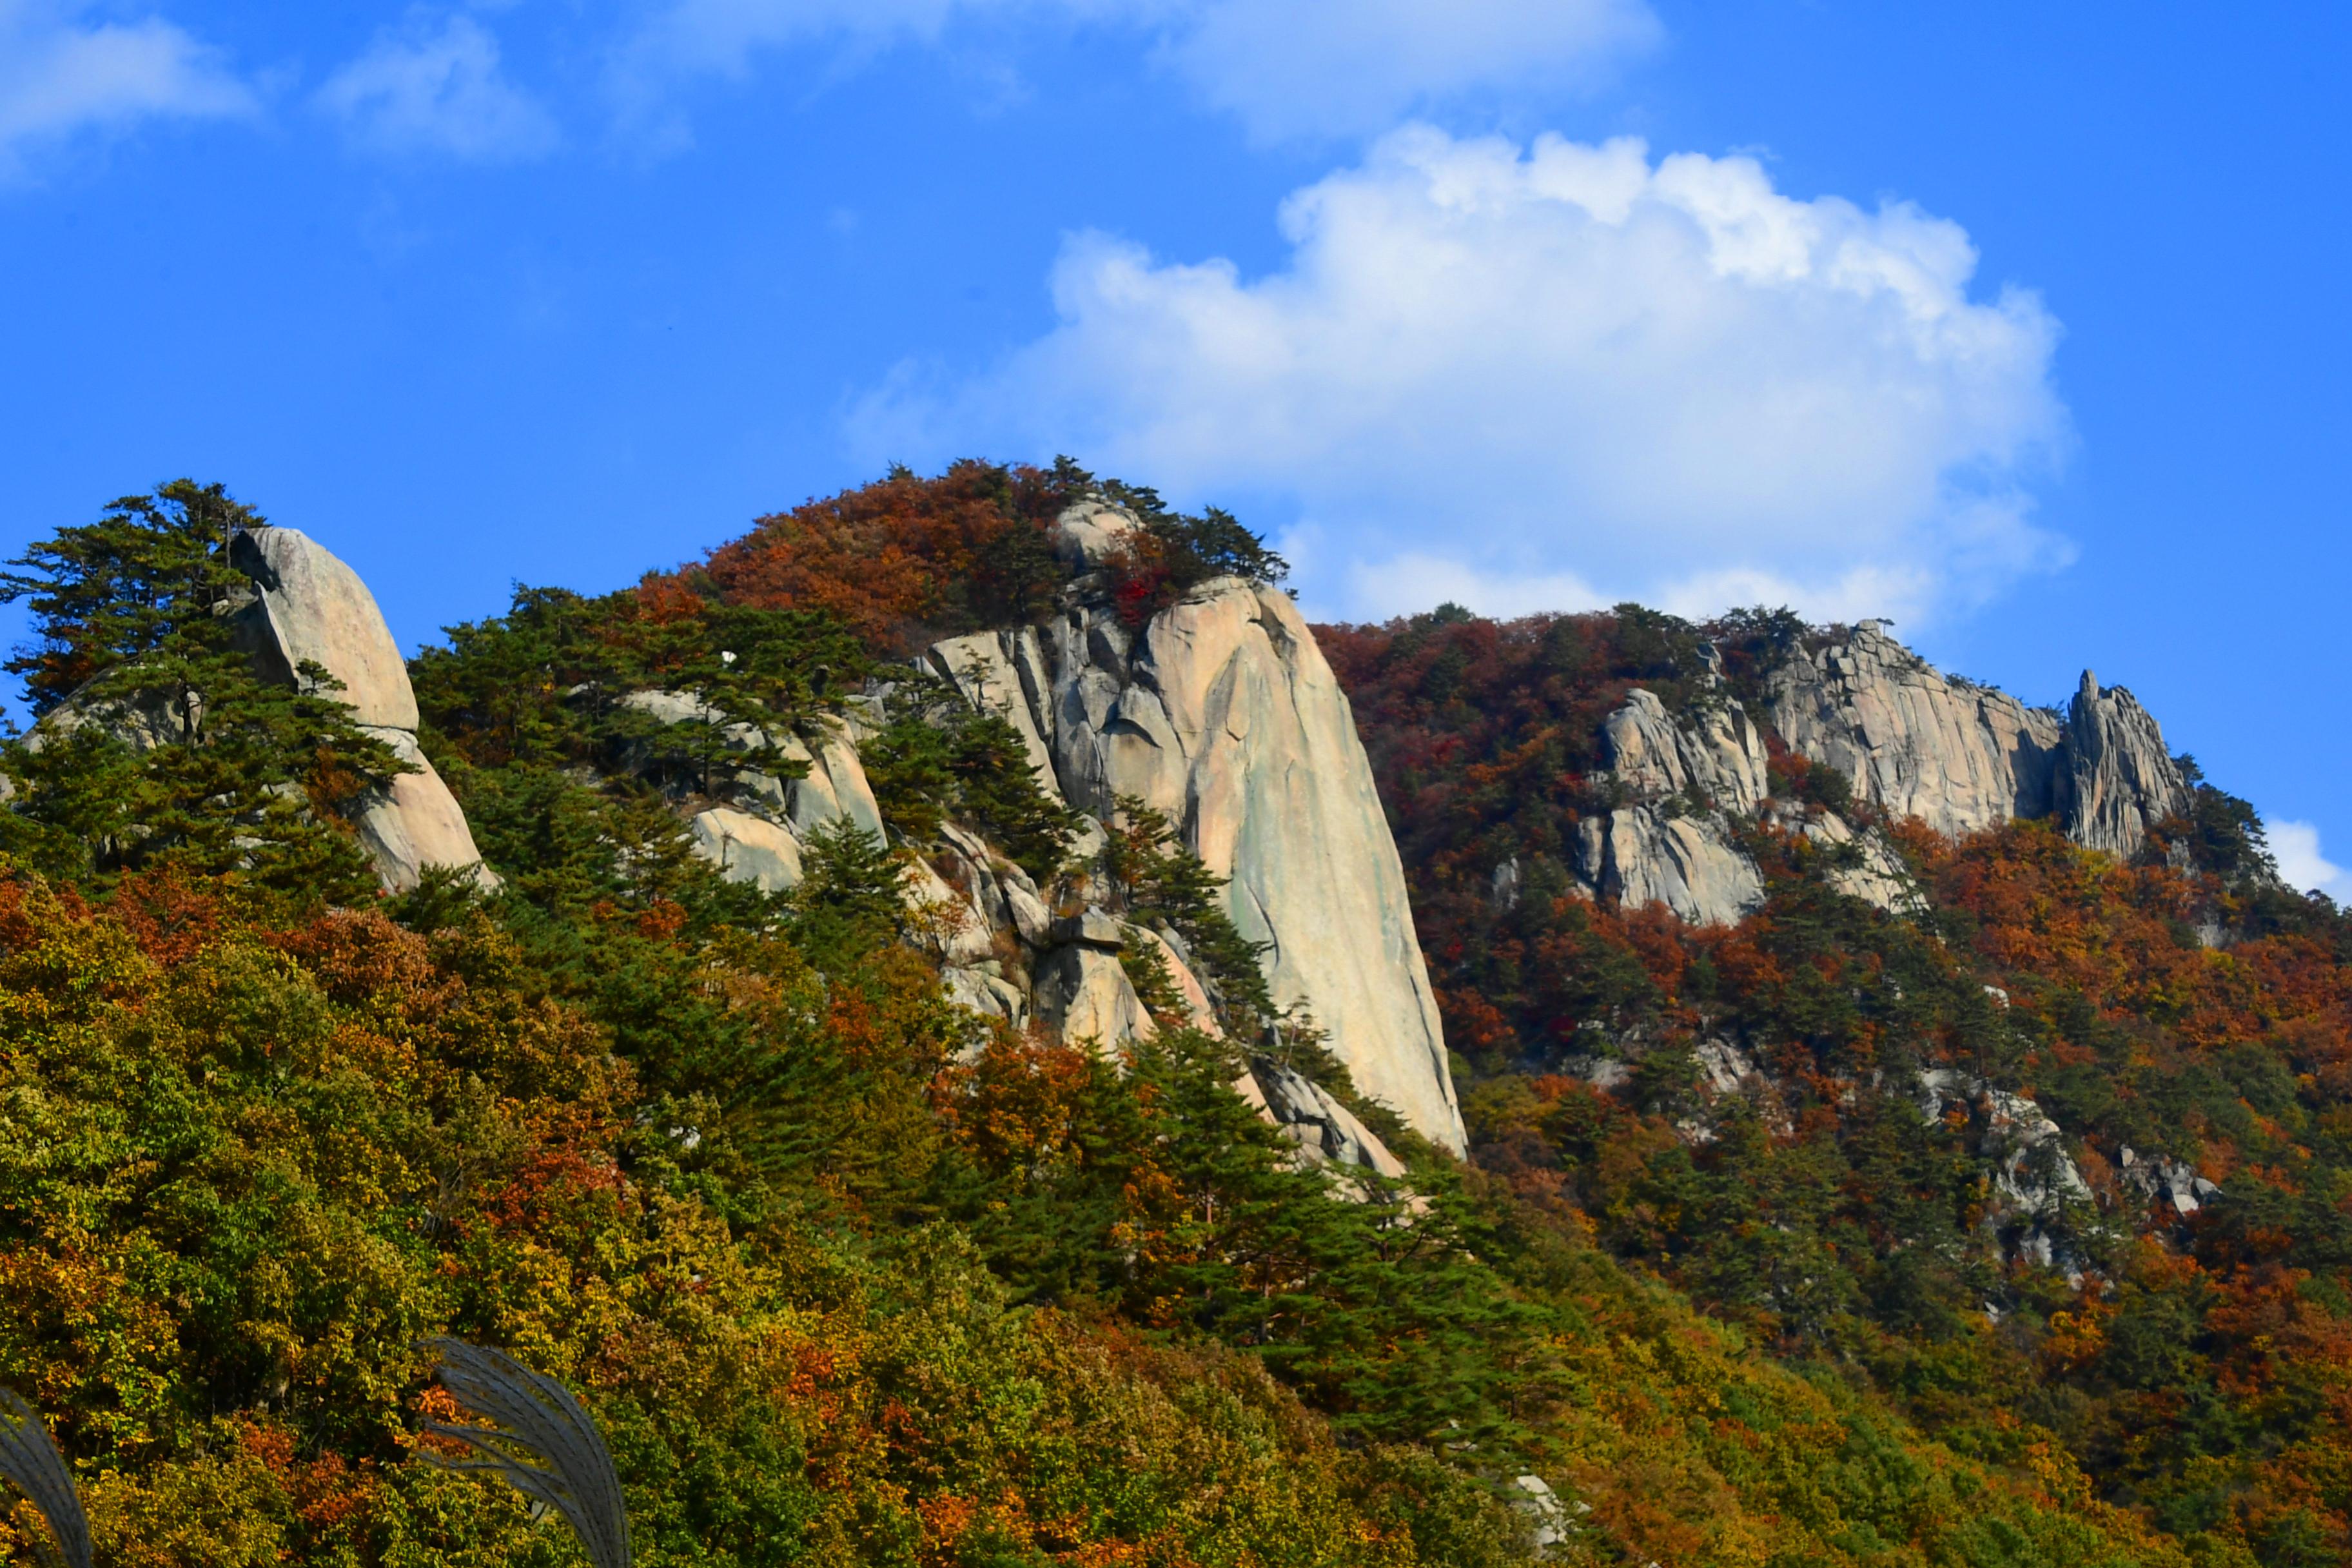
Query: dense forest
[{"x": 847, "y": 1273}]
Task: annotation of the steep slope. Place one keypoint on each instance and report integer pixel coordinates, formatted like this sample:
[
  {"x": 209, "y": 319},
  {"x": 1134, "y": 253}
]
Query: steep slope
[
  {"x": 740, "y": 1119},
  {"x": 1996, "y": 1066},
  {"x": 1221, "y": 713}
]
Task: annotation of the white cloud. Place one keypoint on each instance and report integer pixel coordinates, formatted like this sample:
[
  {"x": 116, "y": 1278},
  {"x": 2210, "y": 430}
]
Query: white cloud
[
  {"x": 1286, "y": 68},
  {"x": 1308, "y": 68},
  {"x": 61, "y": 75},
  {"x": 417, "y": 89},
  {"x": 2295, "y": 847},
  {"x": 1557, "y": 371}
]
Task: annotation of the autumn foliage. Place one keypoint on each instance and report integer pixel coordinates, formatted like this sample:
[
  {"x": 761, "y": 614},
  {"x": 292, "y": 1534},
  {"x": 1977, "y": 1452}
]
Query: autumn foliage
[
  {"x": 905, "y": 560},
  {"x": 2193, "y": 1368}
]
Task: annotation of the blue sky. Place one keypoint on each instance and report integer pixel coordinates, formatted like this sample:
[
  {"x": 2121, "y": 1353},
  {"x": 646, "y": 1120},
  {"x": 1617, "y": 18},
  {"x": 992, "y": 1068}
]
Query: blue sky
[{"x": 2023, "y": 324}]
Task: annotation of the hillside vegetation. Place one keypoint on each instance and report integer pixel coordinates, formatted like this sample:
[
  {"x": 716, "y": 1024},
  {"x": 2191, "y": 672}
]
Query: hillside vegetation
[
  {"x": 2185, "y": 1007},
  {"x": 849, "y": 1274}
]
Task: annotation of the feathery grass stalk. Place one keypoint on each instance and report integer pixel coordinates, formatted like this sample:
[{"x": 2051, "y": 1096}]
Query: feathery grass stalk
[
  {"x": 544, "y": 1444},
  {"x": 30, "y": 1461}
]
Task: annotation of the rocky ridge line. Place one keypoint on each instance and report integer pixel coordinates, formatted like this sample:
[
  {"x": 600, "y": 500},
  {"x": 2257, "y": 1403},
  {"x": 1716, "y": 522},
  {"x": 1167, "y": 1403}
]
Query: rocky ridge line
[{"x": 1908, "y": 741}]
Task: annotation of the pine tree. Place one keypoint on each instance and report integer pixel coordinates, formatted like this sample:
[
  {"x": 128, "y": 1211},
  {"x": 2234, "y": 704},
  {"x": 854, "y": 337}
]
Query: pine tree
[{"x": 160, "y": 746}]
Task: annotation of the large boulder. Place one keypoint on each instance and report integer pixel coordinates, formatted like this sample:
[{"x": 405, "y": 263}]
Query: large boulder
[
  {"x": 416, "y": 823},
  {"x": 308, "y": 607},
  {"x": 1321, "y": 1127},
  {"x": 1084, "y": 991},
  {"x": 835, "y": 787},
  {"x": 1089, "y": 534}
]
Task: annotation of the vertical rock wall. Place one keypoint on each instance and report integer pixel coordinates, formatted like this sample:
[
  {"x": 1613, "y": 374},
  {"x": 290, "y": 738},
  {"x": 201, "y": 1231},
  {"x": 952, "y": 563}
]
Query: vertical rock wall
[
  {"x": 1963, "y": 758},
  {"x": 1959, "y": 757},
  {"x": 2120, "y": 780},
  {"x": 1223, "y": 714}
]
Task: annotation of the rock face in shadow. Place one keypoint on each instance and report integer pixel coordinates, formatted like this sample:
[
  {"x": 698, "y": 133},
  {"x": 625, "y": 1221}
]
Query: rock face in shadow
[
  {"x": 311, "y": 608},
  {"x": 1222, "y": 713}
]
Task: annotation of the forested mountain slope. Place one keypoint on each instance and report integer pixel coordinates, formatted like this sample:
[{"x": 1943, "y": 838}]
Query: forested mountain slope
[
  {"x": 945, "y": 1047},
  {"x": 2012, "y": 1084}
]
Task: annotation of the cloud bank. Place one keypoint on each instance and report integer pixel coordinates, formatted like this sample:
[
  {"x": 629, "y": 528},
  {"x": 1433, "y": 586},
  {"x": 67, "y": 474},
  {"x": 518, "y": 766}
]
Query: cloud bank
[
  {"x": 1557, "y": 375},
  {"x": 419, "y": 89},
  {"x": 61, "y": 75},
  {"x": 1285, "y": 68}
]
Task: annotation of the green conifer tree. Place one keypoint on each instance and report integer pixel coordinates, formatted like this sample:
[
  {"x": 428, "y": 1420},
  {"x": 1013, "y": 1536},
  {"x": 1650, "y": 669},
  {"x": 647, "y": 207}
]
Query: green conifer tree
[{"x": 160, "y": 746}]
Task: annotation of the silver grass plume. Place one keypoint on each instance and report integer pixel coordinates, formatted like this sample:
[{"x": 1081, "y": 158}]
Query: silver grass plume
[
  {"x": 30, "y": 1461},
  {"x": 543, "y": 1445}
]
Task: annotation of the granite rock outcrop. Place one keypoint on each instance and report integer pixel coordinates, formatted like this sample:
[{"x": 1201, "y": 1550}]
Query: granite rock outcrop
[
  {"x": 2119, "y": 779},
  {"x": 1908, "y": 741},
  {"x": 1961, "y": 757},
  {"x": 309, "y": 608},
  {"x": 1912, "y": 742},
  {"x": 1221, "y": 713}
]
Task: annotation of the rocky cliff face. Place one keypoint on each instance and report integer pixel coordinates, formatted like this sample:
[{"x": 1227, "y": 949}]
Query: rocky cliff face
[
  {"x": 309, "y": 607},
  {"x": 1908, "y": 742},
  {"x": 2119, "y": 779},
  {"x": 1963, "y": 757},
  {"x": 1221, "y": 713},
  {"x": 1913, "y": 743},
  {"x": 1674, "y": 844}
]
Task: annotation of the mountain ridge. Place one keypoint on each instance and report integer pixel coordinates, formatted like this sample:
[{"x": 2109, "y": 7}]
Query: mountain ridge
[{"x": 966, "y": 882}]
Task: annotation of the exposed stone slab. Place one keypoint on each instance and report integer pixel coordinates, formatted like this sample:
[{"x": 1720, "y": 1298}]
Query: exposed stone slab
[
  {"x": 1912, "y": 742},
  {"x": 1320, "y": 1124},
  {"x": 311, "y": 606},
  {"x": 1225, "y": 714},
  {"x": 1084, "y": 993},
  {"x": 747, "y": 848},
  {"x": 1637, "y": 856}
]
